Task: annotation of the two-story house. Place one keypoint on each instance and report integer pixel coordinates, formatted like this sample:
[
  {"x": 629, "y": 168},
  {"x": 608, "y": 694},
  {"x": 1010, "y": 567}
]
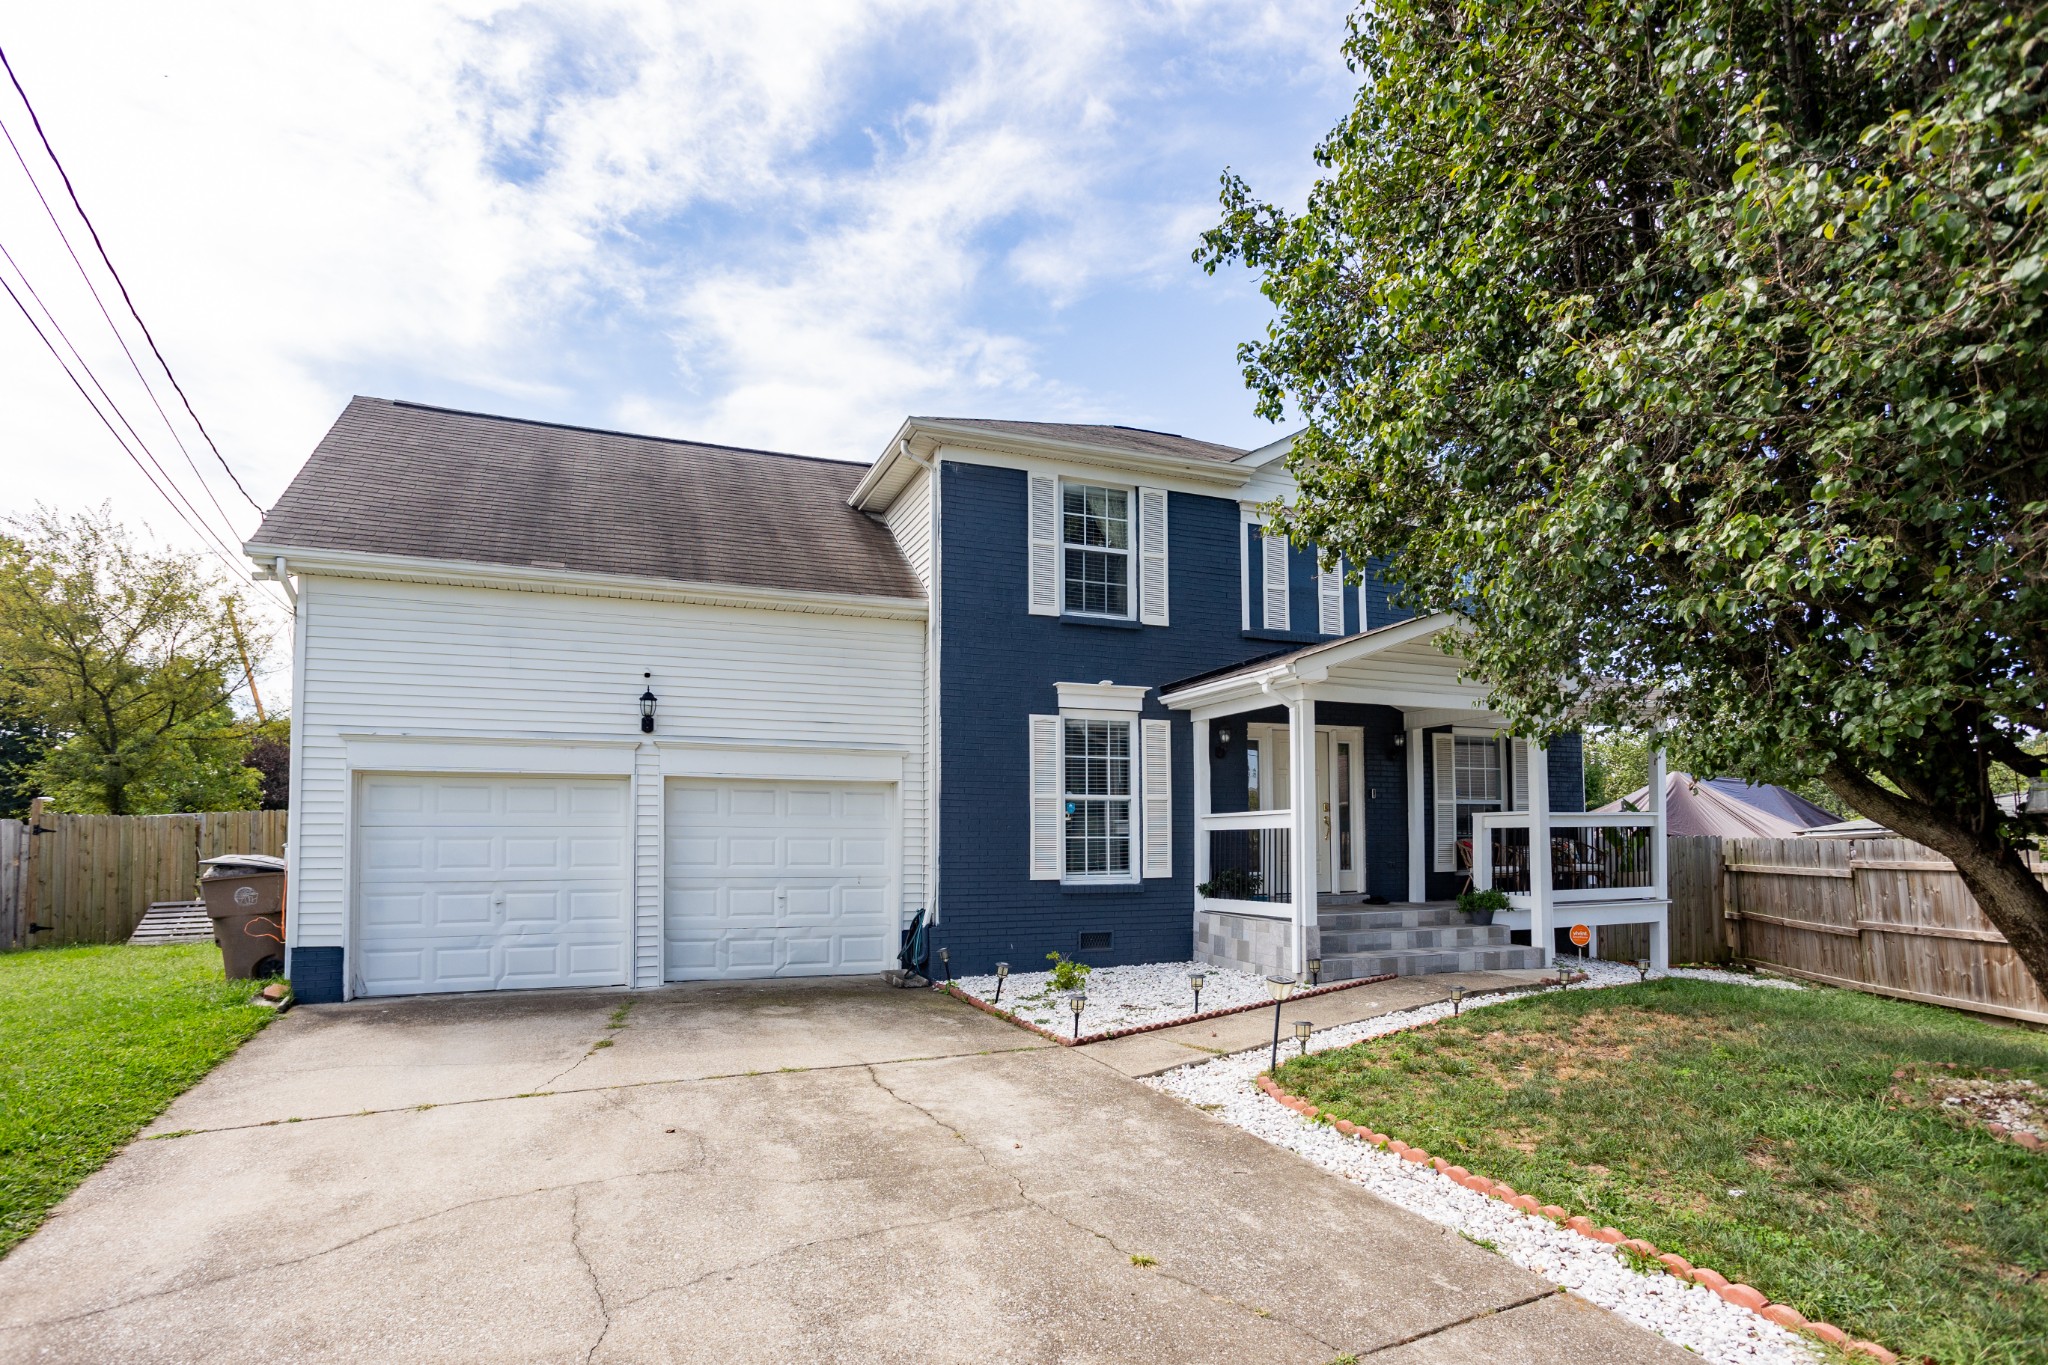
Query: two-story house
[{"x": 575, "y": 707}]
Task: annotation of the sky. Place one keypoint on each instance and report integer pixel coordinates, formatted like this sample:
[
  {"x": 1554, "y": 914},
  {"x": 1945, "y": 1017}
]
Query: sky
[{"x": 784, "y": 226}]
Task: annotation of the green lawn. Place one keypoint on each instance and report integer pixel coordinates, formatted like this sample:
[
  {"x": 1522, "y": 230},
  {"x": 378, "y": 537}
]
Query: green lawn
[
  {"x": 1785, "y": 1138},
  {"x": 94, "y": 1042}
]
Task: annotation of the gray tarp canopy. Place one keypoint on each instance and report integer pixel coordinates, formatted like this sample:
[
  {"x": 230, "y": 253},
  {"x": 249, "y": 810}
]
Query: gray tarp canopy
[{"x": 1728, "y": 808}]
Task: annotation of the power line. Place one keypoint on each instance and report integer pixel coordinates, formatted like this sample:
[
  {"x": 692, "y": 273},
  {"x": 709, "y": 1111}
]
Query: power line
[
  {"x": 238, "y": 569},
  {"x": 118, "y": 281},
  {"x": 108, "y": 398},
  {"x": 119, "y": 339}
]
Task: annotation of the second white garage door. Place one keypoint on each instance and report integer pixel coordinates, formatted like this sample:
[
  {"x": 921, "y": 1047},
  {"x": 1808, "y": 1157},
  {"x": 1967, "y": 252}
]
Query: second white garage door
[{"x": 778, "y": 879}]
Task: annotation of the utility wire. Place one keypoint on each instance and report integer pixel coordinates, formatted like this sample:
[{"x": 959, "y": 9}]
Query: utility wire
[
  {"x": 121, "y": 340},
  {"x": 106, "y": 397},
  {"x": 238, "y": 569},
  {"x": 119, "y": 282}
]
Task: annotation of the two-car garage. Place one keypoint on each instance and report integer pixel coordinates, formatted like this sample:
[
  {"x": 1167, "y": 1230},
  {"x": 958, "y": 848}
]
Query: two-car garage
[{"x": 487, "y": 882}]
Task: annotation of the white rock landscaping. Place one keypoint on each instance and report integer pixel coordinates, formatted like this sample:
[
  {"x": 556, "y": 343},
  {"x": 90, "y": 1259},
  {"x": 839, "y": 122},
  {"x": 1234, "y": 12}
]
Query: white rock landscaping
[
  {"x": 1688, "y": 1314},
  {"x": 1151, "y": 993}
]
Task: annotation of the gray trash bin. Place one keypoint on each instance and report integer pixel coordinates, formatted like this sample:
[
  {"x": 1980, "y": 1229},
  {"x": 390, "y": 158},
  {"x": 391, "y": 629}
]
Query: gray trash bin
[{"x": 244, "y": 895}]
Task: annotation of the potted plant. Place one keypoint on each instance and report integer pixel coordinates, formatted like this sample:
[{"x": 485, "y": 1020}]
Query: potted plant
[{"x": 1480, "y": 905}]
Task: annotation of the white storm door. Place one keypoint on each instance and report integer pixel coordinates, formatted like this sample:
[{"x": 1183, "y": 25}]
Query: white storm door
[
  {"x": 491, "y": 883},
  {"x": 778, "y": 878}
]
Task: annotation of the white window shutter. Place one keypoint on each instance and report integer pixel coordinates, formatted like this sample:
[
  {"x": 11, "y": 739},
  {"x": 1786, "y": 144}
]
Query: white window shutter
[
  {"x": 1518, "y": 774},
  {"x": 1273, "y": 575},
  {"x": 1044, "y": 548},
  {"x": 1330, "y": 599},
  {"x": 1046, "y": 823},
  {"x": 1152, "y": 556},
  {"x": 1158, "y": 789},
  {"x": 1443, "y": 756}
]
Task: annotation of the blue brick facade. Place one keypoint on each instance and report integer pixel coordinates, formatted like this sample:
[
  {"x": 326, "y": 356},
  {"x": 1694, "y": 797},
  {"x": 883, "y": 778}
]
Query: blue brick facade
[
  {"x": 998, "y": 666},
  {"x": 316, "y": 975}
]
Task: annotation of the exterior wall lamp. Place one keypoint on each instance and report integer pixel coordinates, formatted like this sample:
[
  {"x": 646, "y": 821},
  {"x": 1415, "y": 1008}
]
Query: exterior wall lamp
[{"x": 647, "y": 701}]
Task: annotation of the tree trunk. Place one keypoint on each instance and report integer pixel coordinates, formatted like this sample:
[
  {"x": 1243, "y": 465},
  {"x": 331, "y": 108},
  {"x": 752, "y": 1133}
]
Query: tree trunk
[{"x": 2007, "y": 891}]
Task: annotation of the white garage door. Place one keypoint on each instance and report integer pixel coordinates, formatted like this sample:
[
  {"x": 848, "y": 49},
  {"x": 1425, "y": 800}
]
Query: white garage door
[
  {"x": 778, "y": 879},
  {"x": 491, "y": 883}
]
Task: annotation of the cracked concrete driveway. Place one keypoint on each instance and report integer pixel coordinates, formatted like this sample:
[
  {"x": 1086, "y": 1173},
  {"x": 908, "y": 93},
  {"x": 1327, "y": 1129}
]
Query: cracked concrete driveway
[{"x": 778, "y": 1171}]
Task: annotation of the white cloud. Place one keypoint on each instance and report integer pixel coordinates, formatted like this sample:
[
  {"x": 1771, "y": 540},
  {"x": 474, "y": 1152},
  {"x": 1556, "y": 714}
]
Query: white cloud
[{"x": 777, "y": 225}]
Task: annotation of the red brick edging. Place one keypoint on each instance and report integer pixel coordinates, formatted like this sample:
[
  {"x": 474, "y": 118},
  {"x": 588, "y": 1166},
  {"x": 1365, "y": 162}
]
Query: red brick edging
[
  {"x": 1065, "y": 1041},
  {"x": 1739, "y": 1294}
]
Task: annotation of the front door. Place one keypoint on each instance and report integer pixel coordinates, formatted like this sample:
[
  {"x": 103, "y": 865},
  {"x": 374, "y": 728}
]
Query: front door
[{"x": 1340, "y": 850}]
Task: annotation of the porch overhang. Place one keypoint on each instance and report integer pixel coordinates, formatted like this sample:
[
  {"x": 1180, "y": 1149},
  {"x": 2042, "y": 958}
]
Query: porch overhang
[{"x": 1401, "y": 665}]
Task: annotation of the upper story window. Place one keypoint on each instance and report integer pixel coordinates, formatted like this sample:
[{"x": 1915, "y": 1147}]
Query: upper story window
[{"x": 1095, "y": 546}]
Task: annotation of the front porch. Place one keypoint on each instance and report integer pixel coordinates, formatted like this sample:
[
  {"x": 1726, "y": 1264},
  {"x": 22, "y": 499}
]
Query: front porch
[{"x": 1347, "y": 792}]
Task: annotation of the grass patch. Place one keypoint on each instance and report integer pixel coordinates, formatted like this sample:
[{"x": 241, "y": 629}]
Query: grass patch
[
  {"x": 94, "y": 1043},
  {"x": 1792, "y": 1139}
]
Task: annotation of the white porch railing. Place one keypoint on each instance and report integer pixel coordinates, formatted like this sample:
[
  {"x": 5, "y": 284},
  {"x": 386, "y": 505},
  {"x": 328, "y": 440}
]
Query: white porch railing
[
  {"x": 1586, "y": 867},
  {"x": 1243, "y": 862}
]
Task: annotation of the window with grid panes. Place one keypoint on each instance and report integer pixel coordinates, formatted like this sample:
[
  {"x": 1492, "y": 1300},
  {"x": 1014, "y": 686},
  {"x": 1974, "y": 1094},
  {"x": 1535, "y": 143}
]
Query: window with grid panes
[
  {"x": 1095, "y": 544},
  {"x": 1097, "y": 773}
]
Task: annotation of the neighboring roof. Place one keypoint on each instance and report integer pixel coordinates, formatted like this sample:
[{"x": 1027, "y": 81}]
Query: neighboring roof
[
  {"x": 1782, "y": 802},
  {"x": 1108, "y": 437},
  {"x": 404, "y": 479},
  {"x": 1695, "y": 808}
]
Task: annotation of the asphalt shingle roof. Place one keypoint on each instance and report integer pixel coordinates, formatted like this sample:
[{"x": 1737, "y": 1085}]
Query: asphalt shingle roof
[
  {"x": 1109, "y": 437},
  {"x": 404, "y": 479}
]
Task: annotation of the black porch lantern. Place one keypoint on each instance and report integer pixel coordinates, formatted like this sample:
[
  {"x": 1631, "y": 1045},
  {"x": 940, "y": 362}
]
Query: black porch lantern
[{"x": 647, "y": 700}]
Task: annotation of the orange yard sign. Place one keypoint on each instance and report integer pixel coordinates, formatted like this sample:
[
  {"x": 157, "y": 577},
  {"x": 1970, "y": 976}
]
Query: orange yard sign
[{"x": 1581, "y": 935}]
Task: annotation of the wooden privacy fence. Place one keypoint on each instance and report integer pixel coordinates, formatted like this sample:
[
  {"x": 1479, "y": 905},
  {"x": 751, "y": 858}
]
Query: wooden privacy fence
[
  {"x": 1883, "y": 915},
  {"x": 89, "y": 878},
  {"x": 1696, "y": 895}
]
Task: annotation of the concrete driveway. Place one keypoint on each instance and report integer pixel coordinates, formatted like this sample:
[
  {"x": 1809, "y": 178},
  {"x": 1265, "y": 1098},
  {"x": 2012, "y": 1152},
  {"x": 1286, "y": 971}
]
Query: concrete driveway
[{"x": 784, "y": 1171}]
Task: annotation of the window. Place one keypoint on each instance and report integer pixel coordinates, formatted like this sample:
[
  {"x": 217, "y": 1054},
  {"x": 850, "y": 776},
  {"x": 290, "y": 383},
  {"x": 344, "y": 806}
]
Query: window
[
  {"x": 1343, "y": 806},
  {"x": 1477, "y": 769},
  {"x": 1095, "y": 547},
  {"x": 1096, "y": 762}
]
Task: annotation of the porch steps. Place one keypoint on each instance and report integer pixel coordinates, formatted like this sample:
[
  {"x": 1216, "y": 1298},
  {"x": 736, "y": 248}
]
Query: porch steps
[{"x": 1414, "y": 940}]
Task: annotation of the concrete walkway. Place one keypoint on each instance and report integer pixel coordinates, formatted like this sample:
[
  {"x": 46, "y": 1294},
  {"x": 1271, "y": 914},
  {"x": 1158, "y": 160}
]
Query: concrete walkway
[
  {"x": 775, "y": 1172},
  {"x": 1148, "y": 1054}
]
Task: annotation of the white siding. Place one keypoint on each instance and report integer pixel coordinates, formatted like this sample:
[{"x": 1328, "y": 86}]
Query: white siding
[
  {"x": 383, "y": 658},
  {"x": 910, "y": 521}
]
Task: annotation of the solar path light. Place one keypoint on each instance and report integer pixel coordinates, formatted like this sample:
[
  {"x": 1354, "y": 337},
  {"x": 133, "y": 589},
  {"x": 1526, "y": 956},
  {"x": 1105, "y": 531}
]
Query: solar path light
[
  {"x": 1302, "y": 1029},
  {"x": 1457, "y": 999},
  {"x": 1002, "y": 975},
  {"x": 1642, "y": 969},
  {"x": 1315, "y": 971},
  {"x": 1195, "y": 979},
  {"x": 1077, "y": 1002},
  {"x": 1279, "y": 987}
]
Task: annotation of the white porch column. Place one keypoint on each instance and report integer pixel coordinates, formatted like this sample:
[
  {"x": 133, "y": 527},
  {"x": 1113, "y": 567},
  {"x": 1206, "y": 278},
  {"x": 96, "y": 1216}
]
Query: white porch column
[
  {"x": 1540, "y": 935},
  {"x": 1660, "y": 863},
  {"x": 1202, "y": 799},
  {"x": 1301, "y": 799},
  {"x": 1418, "y": 844}
]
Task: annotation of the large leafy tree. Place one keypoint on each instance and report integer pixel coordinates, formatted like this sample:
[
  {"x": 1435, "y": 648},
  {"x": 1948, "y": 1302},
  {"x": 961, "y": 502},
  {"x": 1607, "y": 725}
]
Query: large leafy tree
[
  {"x": 1695, "y": 351},
  {"x": 124, "y": 662}
]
